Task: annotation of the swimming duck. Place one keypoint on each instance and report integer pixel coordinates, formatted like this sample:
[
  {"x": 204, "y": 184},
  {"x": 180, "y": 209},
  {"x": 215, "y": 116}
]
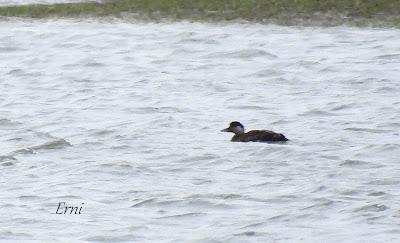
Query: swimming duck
[{"x": 253, "y": 136}]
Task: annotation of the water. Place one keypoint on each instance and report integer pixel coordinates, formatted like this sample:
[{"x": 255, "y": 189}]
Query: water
[{"x": 125, "y": 117}]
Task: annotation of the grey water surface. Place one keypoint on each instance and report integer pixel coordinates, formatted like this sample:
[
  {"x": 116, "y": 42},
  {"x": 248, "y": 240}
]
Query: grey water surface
[{"x": 124, "y": 117}]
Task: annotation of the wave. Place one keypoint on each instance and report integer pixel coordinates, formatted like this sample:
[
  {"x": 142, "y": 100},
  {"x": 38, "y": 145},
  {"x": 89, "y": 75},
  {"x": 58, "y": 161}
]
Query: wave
[
  {"x": 372, "y": 208},
  {"x": 317, "y": 112},
  {"x": 370, "y": 130},
  {"x": 242, "y": 54},
  {"x": 55, "y": 144},
  {"x": 7, "y": 160}
]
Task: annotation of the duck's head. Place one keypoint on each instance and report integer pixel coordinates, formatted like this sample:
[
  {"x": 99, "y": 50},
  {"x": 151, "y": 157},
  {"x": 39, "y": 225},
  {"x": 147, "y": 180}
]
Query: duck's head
[{"x": 235, "y": 127}]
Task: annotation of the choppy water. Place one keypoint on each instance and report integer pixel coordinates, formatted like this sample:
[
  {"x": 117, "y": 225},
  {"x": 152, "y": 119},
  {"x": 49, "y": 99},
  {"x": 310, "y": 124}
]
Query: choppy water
[{"x": 125, "y": 118}]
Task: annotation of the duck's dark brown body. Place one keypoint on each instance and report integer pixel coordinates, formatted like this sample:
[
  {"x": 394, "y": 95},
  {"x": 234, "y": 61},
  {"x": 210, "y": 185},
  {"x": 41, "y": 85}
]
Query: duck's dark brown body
[{"x": 259, "y": 136}]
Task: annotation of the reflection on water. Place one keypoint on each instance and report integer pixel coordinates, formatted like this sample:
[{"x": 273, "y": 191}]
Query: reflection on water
[{"x": 125, "y": 118}]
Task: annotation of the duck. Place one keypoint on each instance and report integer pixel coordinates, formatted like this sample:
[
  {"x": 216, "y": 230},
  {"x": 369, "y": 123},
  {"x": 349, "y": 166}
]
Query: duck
[{"x": 253, "y": 136}]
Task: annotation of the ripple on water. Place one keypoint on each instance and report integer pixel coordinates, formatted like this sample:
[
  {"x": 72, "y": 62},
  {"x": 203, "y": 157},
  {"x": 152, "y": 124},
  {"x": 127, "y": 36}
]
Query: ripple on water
[
  {"x": 247, "y": 107},
  {"x": 377, "y": 194},
  {"x": 339, "y": 107},
  {"x": 242, "y": 54},
  {"x": 7, "y": 160},
  {"x": 321, "y": 204},
  {"x": 370, "y": 130},
  {"x": 266, "y": 73},
  {"x": 191, "y": 202},
  {"x": 55, "y": 144},
  {"x": 357, "y": 164},
  {"x": 389, "y": 56},
  {"x": 6, "y": 49},
  {"x": 384, "y": 182},
  {"x": 197, "y": 41},
  {"x": 12, "y": 235},
  {"x": 372, "y": 208},
  {"x": 317, "y": 113},
  {"x": 113, "y": 238},
  {"x": 182, "y": 216}
]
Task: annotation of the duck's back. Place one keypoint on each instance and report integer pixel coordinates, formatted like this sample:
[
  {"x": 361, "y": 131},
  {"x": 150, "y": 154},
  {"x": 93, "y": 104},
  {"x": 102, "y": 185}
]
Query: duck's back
[{"x": 259, "y": 136}]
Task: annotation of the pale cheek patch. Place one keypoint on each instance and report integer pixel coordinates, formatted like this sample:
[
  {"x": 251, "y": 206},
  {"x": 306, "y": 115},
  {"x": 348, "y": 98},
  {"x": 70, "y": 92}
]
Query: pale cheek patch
[{"x": 239, "y": 129}]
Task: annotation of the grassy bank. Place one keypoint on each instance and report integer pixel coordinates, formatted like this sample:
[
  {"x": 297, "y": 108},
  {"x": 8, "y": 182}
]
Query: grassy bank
[{"x": 288, "y": 12}]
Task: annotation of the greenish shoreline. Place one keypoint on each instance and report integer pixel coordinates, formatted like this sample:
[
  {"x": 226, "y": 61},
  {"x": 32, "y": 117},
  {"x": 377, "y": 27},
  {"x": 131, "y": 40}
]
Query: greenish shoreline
[{"x": 385, "y": 13}]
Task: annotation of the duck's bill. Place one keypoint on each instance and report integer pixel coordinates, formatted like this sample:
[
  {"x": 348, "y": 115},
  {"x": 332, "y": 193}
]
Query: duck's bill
[{"x": 225, "y": 130}]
